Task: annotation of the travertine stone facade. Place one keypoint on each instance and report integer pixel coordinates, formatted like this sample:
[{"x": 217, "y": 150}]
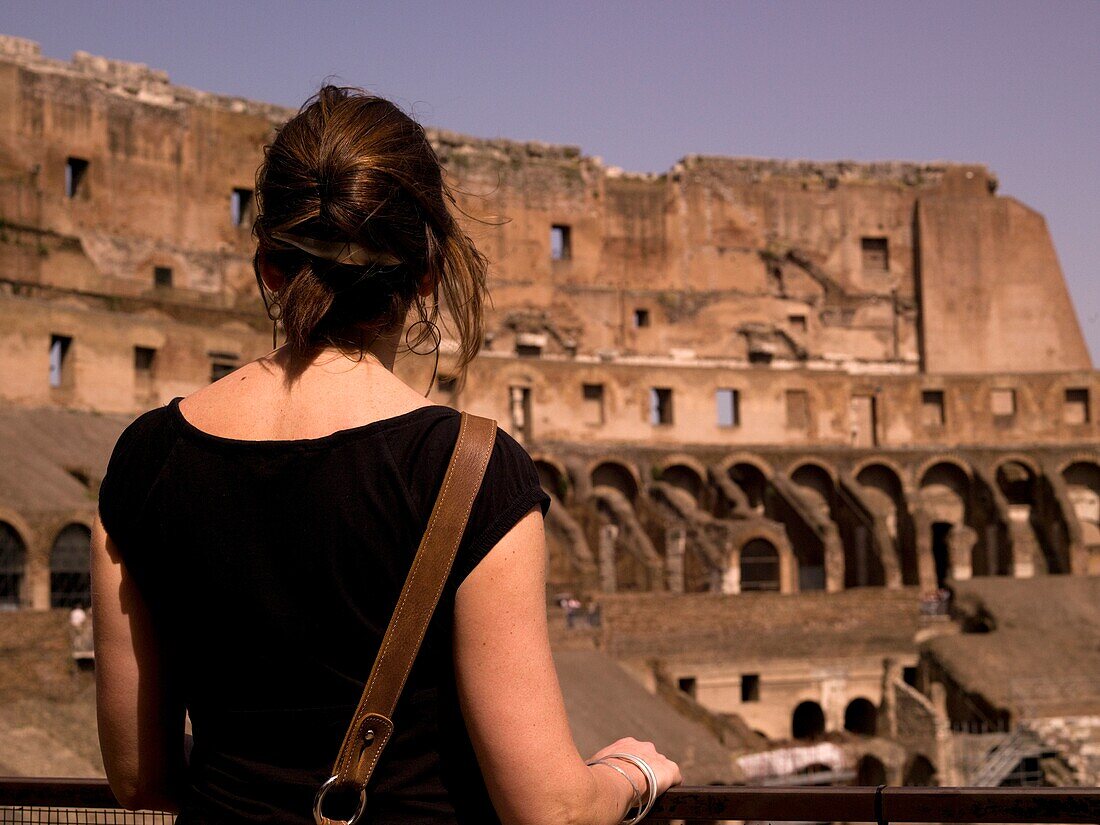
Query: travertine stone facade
[{"x": 740, "y": 374}]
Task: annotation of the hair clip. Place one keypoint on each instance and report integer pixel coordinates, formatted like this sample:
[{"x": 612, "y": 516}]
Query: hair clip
[{"x": 340, "y": 252}]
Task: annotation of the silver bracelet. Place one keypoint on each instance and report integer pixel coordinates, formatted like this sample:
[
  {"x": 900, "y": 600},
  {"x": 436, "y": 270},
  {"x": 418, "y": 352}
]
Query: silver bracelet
[
  {"x": 636, "y": 802},
  {"x": 650, "y": 779}
]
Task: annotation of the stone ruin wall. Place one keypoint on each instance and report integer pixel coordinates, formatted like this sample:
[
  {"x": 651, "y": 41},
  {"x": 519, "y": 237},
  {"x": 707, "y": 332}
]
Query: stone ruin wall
[{"x": 803, "y": 286}]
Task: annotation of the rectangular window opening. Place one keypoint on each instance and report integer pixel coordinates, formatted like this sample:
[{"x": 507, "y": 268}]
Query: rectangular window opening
[
  {"x": 660, "y": 406},
  {"x": 729, "y": 407},
  {"x": 932, "y": 409},
  {"x": 240, "y": 207},
  {"x": 909, "y": 675},
  {"x": 162, "y": 276},
  {"x": 687, "y": 685},
  {"x": 750, "y": 687},
  {"x": 561, "y": 246},
  {"x": 520, "y": 398},
  {"x": 1077, "y": 406},
  {"x": 144, "y": 360},
  {"x": 221, "y": 364},
  {"x": 60, "y": 374},
  {"x": 528, "y": 350},
  {"x": 863, "y": 420},
  {"x": 1002, "y": 401},
  {"x": 798, "y": 409},
  {"x": 592, "y": 401},
  {"x": 641, "y": 318},
  {"x": 875, "y": 254},
  {"x": 797, "y": 323},
  {"x": 75, "y": 169}
]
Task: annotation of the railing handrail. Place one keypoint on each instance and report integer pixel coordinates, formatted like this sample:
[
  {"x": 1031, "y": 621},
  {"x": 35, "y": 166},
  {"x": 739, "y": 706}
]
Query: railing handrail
[{"x": 862, "y": 804}]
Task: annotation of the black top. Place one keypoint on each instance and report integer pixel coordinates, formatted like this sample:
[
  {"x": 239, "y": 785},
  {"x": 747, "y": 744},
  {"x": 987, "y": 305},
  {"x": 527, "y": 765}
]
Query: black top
[{"x": 272, "y": 569}]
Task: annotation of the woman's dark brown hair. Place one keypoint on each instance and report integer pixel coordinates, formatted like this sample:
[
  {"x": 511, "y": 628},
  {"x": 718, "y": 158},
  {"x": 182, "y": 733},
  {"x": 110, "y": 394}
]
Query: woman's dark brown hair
[{"x": 352, "y": 168}]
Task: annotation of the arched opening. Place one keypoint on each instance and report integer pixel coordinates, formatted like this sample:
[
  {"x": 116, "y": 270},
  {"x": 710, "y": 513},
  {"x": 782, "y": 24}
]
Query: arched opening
[
  {"x": 808, "y": 721},
  {"x": 884, "y": 492},
  {"x": 1017, "y": 483},
  {"x": 920, "y": 772},
  {"x": 621, "y": 570},
  {"x": 684, "y": 478},
  {"x": 870, "y": 771},
  {"x": 13, "y": 567},
  {"x": 941, "y": 551},
  {"x": 861, "y": 717},
  {"x": 617, "y": 476},
  {"x": 70, "y": 578},
  {"x": 753, "y": 484},
  {"x": 759, "y": 566},
  {"x": 817, "y": 488},
  {"x": 552, "y": 479},
  {"x": 1083, "y": 487},
  {"x": 944, "y": 492}
]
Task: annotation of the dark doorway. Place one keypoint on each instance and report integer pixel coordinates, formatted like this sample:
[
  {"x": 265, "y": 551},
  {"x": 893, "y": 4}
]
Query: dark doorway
[
  {"x": 941, "y": 553},
  {"x": 870, "y": 771},
  {"x": 808, "y": 721},
  {"x": 861, "y": 717}
]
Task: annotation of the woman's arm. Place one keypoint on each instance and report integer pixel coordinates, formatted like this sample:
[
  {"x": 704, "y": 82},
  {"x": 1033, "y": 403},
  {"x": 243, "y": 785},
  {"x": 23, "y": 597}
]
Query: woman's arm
[
  {"x": 512, "y": 702},
  {"x": 138, "y": 705}
]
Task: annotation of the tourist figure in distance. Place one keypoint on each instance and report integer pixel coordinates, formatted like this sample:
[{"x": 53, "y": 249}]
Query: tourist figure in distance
[{"x": 253, "y": 536}]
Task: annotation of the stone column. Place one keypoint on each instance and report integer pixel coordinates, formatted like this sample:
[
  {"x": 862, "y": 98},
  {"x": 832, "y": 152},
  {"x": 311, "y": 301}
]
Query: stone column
[
  {"x": 960, "y": 549},
  {"x": 731, "y": 577},
  {"x": 609, "y": 536},
  {"x": 948, "y": 772},
  {"x": 675, "y": 550},
  {"x": 888, "y": 709}
]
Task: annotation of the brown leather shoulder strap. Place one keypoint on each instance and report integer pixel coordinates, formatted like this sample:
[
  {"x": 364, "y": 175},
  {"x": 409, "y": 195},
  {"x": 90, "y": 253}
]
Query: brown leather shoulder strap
[{"x": 372, "y": 724}]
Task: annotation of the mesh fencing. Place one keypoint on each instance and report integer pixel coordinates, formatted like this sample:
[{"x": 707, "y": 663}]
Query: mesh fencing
[{"x": 43, "y": 815}]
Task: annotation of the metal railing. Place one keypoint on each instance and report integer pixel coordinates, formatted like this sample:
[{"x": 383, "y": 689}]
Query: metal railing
[{"x": 86, "y": 801}]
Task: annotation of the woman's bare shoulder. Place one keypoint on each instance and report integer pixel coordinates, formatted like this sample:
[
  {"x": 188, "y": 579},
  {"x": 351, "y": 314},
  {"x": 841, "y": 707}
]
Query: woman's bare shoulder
[{"x": 259, "y": 401}]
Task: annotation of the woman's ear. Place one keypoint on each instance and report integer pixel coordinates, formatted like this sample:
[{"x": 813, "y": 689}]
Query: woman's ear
[
  {"x": 427, "y": 286},
  {"x": 273, "y": 279}
]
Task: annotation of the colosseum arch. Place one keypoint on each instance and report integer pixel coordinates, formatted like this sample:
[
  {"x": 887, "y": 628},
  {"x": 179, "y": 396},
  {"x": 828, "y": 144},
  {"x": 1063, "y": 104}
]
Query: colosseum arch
[
  {"x": 818, "y": 482},
  {"x": 920, "y": 772},
  {"x": 760, "y": 565},
  {"x": 807, "y": 721},
  {"x": 70, "y": 573},
  {"x": 861, "y": 716},
  {"x": 685, "y": 473},
  {"x": 881, "y": 483},
  {"x": 870, "y": 770},
  {"x": 617, "y": 474},
  {"x": 13, "y": 567},
  {"x": 1018, "y": 480},
  {"x": 751, "y": 476},
  {"x": 1082, "y": 479},
  {"x": 553, "y": 476},
  {"x": 945, "y": 500}
]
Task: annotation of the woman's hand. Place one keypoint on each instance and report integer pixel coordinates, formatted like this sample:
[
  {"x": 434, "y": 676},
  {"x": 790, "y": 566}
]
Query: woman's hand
[{"x": 666, "y": 771}]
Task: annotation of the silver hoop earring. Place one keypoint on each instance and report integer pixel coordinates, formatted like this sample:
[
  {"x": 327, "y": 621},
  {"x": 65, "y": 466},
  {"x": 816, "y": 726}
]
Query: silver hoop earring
[
  {"x": 274, "y": 308},
  {"x": 431, "y": 331}
]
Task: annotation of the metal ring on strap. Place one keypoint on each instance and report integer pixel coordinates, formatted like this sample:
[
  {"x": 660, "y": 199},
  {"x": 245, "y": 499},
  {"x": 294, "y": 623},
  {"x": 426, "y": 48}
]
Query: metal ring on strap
[{"x": 321, "y": 819}]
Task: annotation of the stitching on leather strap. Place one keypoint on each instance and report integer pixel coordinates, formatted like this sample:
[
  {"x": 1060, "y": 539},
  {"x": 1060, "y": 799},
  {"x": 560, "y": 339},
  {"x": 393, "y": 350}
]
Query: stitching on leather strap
[{"x": 470, "y": 467}]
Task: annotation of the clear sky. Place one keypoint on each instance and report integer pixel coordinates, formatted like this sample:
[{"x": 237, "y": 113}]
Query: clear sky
[{"x": 1014, "y": 85}]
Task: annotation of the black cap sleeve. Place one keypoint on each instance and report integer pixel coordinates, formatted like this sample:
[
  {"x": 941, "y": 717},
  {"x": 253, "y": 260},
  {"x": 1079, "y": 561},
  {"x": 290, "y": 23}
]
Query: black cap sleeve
[
  {"x": 137, "y": 459},
  {"x": 509, "y": 491}
]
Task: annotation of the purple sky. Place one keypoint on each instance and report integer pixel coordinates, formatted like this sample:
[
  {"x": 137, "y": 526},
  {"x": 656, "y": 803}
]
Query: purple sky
[{"x": 1014, "y": 85}]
